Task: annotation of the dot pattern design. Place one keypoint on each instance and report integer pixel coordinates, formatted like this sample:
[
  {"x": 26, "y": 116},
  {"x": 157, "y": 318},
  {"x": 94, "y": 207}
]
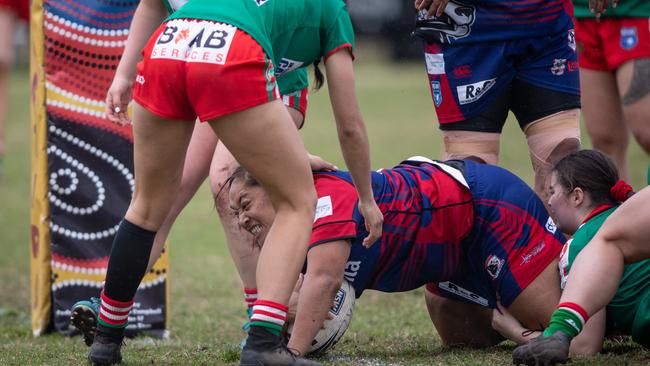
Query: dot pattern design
[{"x": 90, "y": 159}]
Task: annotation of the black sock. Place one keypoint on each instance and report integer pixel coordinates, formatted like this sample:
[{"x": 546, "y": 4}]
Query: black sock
[
  {"x": 128, "y": 261},
  {"x": 259, "y": 338}
]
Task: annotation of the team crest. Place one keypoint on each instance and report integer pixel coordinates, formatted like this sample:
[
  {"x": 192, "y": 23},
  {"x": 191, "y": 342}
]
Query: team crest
[
  {"x": 493, "y": 265},
  {"x": 572, "y": 39},
  {"x": 559, "y": 66},
  {"x": 629, "y": 38},
  {"x": 437, "y": 93}
]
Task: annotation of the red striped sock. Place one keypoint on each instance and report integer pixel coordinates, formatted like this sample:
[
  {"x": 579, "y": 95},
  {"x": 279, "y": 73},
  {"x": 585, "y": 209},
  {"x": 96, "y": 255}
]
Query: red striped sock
[
  {"x": 250, "y": 296},
  {"x": 114, "y": 314},
  {"x": 270, "y": 315}
]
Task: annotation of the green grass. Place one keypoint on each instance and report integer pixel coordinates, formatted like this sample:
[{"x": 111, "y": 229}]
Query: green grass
[{"x": 206, "y": 301}]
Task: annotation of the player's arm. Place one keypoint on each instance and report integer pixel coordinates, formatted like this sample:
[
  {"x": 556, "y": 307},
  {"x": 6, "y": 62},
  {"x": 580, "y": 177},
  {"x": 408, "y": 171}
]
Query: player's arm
[
  {"x": 325, "y": 267},
  {"x": 353, "y": 137},
  {"x": 590, "y": 341},
  {"x": 147, "y": 17}
]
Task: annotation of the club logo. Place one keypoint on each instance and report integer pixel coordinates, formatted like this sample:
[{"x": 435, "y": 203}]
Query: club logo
[
  {"x": 436, "y": 92},
  {"x": 629, "y": 38},
  {"x": 493, "y": 265},
  {"x": 550, "y": 226},
  {"x": 559, "y": 66},
  {"x": 472, "y": 92},
  {"x": 463, "y": 71}
]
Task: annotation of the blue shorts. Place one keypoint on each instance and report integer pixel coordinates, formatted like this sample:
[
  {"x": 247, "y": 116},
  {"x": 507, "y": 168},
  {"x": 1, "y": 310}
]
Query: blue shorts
[
  {"x": 513, "y": 240},
  {"x": 532, "y": 77}
]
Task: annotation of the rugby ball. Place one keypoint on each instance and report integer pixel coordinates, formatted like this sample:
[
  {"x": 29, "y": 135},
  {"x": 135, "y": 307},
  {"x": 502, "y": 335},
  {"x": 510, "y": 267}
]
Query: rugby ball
[{"x": 334, "y": 328}]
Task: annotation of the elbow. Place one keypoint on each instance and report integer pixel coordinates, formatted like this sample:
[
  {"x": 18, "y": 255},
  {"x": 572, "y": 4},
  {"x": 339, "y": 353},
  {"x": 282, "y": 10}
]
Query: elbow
[{"x": 328, "y": 282}]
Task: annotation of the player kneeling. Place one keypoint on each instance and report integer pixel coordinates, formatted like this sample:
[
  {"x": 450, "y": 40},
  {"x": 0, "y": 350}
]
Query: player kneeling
[{"x": 474, "y": 233}]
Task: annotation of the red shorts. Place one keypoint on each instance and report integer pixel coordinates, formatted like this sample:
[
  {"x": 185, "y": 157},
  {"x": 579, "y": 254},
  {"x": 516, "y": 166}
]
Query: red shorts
[
  {"x": 20, "y": 7},
  {"x": 297, "y": 100},
  {"x": 606, "y": 44},
  {"x": 198, "y": 68}
]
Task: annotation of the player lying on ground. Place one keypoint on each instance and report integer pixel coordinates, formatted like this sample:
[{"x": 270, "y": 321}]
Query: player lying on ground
[
  {"x": 585, "y": 190},
  {"x": 472, "y": 232},
  {"x": 599, "y": 278}
]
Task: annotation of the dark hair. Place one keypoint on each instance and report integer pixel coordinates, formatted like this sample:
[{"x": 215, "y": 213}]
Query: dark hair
[
  {"x": 239, "y": 173},
  {"x": 319, "y": 79},
  {"x": 590, "y": 170}
]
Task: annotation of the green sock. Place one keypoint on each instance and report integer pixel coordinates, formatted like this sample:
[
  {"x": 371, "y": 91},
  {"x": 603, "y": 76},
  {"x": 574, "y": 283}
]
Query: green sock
[
  {"x": 273, "y": 328},
  {"x": 564, "y": 321}
]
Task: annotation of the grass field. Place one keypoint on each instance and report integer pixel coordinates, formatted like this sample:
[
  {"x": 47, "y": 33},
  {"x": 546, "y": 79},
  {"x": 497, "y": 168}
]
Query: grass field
[{"x": 206, "y": 301}]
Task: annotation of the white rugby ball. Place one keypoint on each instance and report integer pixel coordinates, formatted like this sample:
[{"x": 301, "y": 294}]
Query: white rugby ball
[{"x": 334, "y": 329}]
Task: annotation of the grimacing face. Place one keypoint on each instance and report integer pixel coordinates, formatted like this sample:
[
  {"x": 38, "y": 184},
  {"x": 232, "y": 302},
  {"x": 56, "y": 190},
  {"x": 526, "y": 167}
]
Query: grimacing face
[
  {"x": 252, "y": 208},
  {"x": 561, "y": 207}
]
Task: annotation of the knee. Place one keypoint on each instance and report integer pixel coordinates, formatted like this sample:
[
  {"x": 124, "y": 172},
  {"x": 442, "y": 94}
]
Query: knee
[{"x": 552, "y": 138}]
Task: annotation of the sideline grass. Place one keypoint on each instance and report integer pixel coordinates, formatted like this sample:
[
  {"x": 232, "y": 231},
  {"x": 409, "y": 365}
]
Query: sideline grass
[{"x": 206, "y": 305}]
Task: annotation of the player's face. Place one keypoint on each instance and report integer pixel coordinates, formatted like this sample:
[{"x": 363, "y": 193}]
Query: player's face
[
  {"x": 561, "y": 207},
  {"x": 253, "y": 209}
]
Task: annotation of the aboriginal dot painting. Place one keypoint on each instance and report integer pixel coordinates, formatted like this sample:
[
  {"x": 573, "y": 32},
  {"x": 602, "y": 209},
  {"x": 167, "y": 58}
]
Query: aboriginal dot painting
[{"x": 90, "y": 176}]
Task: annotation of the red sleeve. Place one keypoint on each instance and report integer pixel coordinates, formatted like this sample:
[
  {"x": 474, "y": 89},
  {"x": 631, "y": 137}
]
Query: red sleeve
[{"x": 333, "y": 220}]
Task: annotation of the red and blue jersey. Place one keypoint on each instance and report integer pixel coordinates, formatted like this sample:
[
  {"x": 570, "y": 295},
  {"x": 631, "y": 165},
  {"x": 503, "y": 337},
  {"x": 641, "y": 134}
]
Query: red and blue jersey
[
  {"x": 427, "y": 213},
  {"x": 470, "y": 21},
  {"x": 471, "y": 236}
]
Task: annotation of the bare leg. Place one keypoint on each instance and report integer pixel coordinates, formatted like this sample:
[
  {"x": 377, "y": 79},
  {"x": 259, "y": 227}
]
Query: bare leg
[
  {"x": 243, "y": 250},
  {"x": 196, "y": 167},
  {"x": 604, "y": 117},
  {"x": 159, "y": 153},
  {"x": 534, "y": 306},
  {"x": 267, "y": 144},
  {"x": 459, "y": 323},
  {"x": 634, "y": 84}
]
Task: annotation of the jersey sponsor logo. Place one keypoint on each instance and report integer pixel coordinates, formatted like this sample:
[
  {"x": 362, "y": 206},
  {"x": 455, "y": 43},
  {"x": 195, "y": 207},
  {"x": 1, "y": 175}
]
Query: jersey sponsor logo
[
  {"x": 323, "y": 208},
  {"x": 435, "y": 63},
  {"x": 351, "y": 270},
  {"x": 286, "y": 65},
  {"x": 192, "y": 41},
  {"x": 571, "y": 35},
  {"x": 550, "y": 225},
  {"x": 472, "y": 92},
  {"x": 526, "y": 258},
  {"x": 629, "y": 38},
  {"x": 436, "y": 92},
  {"x": 139, "y": 79},
  {"x": 572, "y": 65},
  {"x": 260, "y": 2},
  {"x": 464, "y": 293},
  {"x": 559, "y": 65},
  {"x": 493, "y": 265},
  {"x": 456, "y": 22},
  {"x": 463, "y": 71}
]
